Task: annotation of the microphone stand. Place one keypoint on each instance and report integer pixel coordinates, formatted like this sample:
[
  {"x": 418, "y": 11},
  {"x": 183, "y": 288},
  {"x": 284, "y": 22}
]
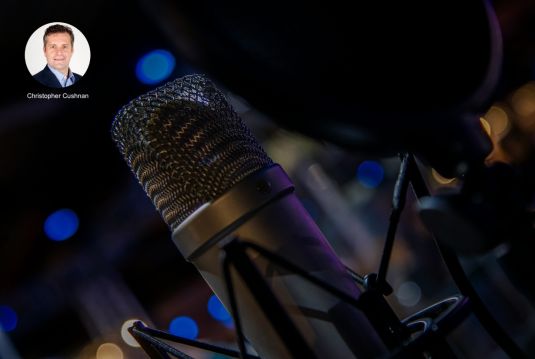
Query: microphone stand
[{"x": 417, "y": 336}]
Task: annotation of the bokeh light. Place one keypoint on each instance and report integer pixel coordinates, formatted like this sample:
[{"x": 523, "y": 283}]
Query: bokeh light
[
  {"x": 408, "y": 294},
  {"x": 109, "y": 351},
  {"x": 486, "y": 125},
  {"x": 218, "y": 311},
  {"x": 441, "y": 179},
  {"x": 311, "y": 207},
  {"x": 8, "y": 318},
  {"x": 125, "y": 334},
  {"x": 370, "y": 174},
  {"x": 155, "y": 66},
  {"x": 61, "y": 225},
  {"x": 523, "y": 100},
  {"x": 498, "y": 120},
  {"x": 184, "y": 327}
]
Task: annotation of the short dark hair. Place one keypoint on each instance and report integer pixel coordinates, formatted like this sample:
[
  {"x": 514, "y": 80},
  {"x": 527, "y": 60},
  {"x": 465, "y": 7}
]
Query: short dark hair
[{"x": 57, "y": 28}]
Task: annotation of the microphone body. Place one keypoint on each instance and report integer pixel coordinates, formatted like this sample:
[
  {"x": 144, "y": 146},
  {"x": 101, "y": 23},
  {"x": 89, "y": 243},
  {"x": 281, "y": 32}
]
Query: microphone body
[
  {"x": 212, "y": 182},
  {"x": 264, "y": 210}
]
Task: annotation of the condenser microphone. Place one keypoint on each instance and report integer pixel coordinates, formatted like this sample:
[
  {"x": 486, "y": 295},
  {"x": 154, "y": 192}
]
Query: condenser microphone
[{"x": 212, "y": 182}]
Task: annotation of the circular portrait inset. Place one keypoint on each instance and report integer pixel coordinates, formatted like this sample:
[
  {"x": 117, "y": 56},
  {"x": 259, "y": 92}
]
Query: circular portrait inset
[{"x": 57, "y": 55}]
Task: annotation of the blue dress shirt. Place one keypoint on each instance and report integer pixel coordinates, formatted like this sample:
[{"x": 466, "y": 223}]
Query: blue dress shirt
[{"x": 63, "y": 80}]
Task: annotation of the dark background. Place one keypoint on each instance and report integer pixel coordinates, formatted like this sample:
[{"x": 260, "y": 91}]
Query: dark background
[{"x": 72, "y": 296}]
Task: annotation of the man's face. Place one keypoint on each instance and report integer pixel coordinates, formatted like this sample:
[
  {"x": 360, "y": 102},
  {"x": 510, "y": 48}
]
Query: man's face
[{"x": 58, "y": 51}]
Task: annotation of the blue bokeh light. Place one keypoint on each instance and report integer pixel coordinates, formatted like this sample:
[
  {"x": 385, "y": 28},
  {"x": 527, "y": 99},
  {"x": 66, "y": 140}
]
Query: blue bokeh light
[
  {"x": 184, "y": 327},
  {"x": 218, "y": 311},
  {"x": 8, "y": 318},
  {"x": 61, "y": 224},
  {"x": 155, "y": 66},
  {"x": 370, "y": 174},
  {"x": 311, "y": 208}
]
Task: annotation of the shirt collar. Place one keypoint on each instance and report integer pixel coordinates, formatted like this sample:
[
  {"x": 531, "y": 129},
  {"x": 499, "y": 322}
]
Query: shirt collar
[{"x": 63, "y": 80}]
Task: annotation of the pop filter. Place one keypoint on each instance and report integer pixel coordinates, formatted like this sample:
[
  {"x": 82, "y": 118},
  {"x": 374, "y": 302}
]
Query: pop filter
[{"x": 403, "y": 76}]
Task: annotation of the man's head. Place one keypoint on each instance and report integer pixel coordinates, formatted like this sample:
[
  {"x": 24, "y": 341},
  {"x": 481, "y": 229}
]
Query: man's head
[{"x": 58, "y": 47}]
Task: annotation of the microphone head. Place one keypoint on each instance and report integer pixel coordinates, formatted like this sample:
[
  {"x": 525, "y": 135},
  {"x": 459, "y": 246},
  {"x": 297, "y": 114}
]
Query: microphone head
[{"x": 186, "y": 145}]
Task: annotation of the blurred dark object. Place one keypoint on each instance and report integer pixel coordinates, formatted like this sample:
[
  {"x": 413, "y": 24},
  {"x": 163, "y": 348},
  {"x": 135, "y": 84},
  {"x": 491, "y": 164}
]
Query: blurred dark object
[
  {"x": 407, "y": 76},
  {"x": 488, "y": 211}
]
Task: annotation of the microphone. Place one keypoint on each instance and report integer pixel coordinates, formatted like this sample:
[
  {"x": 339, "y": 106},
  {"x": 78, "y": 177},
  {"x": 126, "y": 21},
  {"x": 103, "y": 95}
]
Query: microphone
[{"x": 212, "y": 182}]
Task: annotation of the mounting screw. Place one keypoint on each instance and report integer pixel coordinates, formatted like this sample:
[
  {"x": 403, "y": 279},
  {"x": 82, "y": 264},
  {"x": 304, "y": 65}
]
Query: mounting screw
[{"x": 263, "y": 186}]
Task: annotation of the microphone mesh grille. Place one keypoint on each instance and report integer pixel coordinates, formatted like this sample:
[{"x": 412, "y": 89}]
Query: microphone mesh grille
[{"x": 186, "y": 145}]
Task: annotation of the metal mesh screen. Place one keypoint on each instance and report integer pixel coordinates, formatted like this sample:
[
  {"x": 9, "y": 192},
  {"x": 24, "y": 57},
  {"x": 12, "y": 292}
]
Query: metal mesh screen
[{"x": 186, "y": 145}]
